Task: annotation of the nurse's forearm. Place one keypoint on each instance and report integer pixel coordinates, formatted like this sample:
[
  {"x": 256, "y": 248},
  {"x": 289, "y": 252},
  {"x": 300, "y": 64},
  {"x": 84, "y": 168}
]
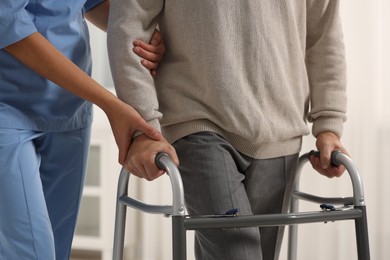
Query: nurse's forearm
[
  {"x": 37, "y": 53},
  {"x": 98, "y": 15}
]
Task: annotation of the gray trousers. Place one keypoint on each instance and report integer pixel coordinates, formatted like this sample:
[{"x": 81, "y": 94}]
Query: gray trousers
[{"x": 217, "y": 178}]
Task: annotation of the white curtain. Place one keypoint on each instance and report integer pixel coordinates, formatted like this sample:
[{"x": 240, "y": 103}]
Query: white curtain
[{"x": 367, "y": 39}]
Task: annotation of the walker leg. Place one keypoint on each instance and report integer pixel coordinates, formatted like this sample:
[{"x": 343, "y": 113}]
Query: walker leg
[
  {"x": 179, "y": 243},
  {"x": 292, "y": 242},
  {"x": 293, "y": 229},
  {"x": 362, "y": 235},
  {"x": 120, "y": 216}
]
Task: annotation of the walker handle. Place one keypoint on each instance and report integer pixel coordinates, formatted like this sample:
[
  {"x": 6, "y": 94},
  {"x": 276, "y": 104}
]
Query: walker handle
[
  {"x": 333, "y": 159},
  {"x": 339, "y": 158},
  {"x": 164, "y": 162}
]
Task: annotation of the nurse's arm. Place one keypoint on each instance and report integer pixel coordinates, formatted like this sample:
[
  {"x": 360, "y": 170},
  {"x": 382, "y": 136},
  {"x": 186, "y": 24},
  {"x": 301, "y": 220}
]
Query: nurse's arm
[
  {"x": 98, "y": 15},
  {"x": 37, "y": 53},
  {"x": 151, "y": 52}
]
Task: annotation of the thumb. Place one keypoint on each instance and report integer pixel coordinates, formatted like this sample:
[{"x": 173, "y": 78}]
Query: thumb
[
  {"x": 325, "y": 157},
  {"x": 123, "y": 150},
  {"x": 150, "y": 131}
]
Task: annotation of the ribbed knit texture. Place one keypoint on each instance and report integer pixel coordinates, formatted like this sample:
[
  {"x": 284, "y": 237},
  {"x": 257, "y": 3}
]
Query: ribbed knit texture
[{"x": 248, "y": 70}]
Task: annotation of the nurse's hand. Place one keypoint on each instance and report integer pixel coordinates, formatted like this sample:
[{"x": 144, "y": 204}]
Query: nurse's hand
[
  {"x": 151, "y": 53},
  {"x": 125, "y": 121}
]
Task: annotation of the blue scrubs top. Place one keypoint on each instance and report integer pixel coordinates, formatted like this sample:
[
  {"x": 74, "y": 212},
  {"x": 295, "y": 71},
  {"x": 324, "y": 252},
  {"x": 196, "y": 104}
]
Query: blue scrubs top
[{"x": 27, "y": 100}]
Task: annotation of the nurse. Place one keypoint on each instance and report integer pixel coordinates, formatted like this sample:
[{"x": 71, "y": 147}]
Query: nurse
[{"x": 46, "y": 96}]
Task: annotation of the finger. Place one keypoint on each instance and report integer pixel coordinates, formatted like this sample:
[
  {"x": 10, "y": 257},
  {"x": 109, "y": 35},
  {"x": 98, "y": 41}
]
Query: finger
[
  {"x": 172, "y": 154},
  {"x": 146, "y": 46},
  {"x": 330, "y": 172},
  {"x": 149, "y": 131},
  {"x": 170, "y": 150},
  {"x": 156, "y": 38},
  {"x": 155, "y": 46},
  {"x": 152, "y": 54},
  {"x": 341, "y": 170},
  {"x": 152, "y": 171},
  {"x": 316, "y": 164},
  {"x": 148, "y": 175},
  {"x": 149, "y": 64},
  {"x": 150, "y": 47},
  {"x": 138, "y": 171},
  {"x": 325, "y": 156},
  {"x": 135, "y": 166},
  {"x": 336, "y": 171}
]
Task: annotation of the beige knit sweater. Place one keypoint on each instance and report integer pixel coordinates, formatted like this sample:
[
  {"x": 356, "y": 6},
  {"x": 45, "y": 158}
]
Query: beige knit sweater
[{"x": 253, "y": 71}]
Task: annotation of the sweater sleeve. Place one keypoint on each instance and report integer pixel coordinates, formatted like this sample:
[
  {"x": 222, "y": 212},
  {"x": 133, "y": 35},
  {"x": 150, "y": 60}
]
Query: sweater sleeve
[
  {"x": 326, "y": 67},
  {"x": 128, "y": 21}
]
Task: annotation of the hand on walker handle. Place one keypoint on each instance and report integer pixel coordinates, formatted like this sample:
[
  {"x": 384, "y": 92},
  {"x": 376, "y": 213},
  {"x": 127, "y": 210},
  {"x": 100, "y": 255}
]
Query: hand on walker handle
[
  {"x": 326, "y": 143},
  {"x": 141, "y": 157}
]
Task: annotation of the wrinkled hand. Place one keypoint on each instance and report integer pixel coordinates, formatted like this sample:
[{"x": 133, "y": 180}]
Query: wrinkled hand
[
  {"x": 151, "y": 53},
  {"x": 326, "y": 143},
  {"x": 141, "y": 157}
]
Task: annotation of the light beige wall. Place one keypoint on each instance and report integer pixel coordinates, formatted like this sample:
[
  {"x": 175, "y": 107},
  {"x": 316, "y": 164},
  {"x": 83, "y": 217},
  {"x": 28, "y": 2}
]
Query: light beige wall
[{"x": 367, "y": 131}]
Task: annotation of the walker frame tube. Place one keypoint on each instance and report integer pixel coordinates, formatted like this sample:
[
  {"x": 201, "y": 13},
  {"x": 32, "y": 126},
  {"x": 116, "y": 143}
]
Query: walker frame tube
[
  {"x": 361, "y": 225},
  {"x": 177, "y": 210},
  {"x": 182, "y": 223}
]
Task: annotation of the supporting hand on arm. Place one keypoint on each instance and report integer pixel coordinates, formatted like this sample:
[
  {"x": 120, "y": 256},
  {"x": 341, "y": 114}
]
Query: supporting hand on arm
[
  {"x": 151, "y": 52},
  {"x": 37, "y": 53}
]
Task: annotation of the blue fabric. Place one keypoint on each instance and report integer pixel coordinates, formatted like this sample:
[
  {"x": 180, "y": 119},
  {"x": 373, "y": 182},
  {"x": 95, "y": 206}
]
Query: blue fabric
[
  {"x": 28, "y": 101},
  {"x": 41, "y": 181},
  {"x": 44, "y": 132}
]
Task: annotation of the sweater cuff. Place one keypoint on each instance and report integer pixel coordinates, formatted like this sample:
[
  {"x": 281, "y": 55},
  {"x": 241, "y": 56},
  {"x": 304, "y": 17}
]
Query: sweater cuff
[
  {"x": 155, "y": 123},
  {"x": 334, "y": 125}
]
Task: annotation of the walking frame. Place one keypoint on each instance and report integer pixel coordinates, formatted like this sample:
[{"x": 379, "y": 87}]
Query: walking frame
[{"x": 354, "y": 209}]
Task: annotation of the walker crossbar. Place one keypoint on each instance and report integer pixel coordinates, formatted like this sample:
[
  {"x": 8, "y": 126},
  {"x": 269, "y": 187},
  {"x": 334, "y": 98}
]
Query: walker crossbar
[
  {"x": 316, "y": 199},
  {"x": 147, "y": 208},
  {"x": 182, "y": 223},
  {"x": 267, "y": 220}
]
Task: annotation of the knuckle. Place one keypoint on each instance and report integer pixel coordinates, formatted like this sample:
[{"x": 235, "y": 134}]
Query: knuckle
[{"x": 130, "y": 168}]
